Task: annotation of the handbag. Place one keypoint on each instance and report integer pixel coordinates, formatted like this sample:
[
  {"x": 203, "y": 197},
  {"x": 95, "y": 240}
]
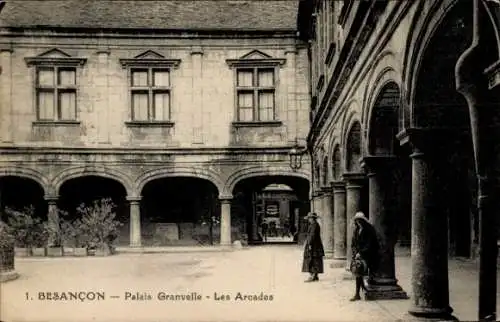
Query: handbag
[{"x": 359, "y": 267}]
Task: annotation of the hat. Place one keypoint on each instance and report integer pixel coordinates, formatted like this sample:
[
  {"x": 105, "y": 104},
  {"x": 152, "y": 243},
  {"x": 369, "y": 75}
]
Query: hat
[
  {"x": 311, "y": 215},
  {"x": 361, "y": 216}
]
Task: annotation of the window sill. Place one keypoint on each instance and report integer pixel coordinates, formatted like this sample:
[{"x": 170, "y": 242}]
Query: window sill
[
  {"x": 56, "y": 123},
  {"x": 149, "y": 124},
  {"x": 258, "y": 124}
]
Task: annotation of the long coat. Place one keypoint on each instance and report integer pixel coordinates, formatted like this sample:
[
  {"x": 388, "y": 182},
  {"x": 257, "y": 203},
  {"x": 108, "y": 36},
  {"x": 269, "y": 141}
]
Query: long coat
[
  {"x": 313, "y": 250},
  {"x": 365, "y": 242}
]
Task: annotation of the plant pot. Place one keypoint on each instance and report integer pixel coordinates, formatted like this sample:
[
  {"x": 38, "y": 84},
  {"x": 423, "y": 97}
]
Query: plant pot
[
  {"x": 103, "y": 251},
  {"x": 80, "y": 251},
  {"x": 6, "y": 259},
  {"x": 39, "y": 251},
  {"x": 22, "y": 251},
  {"x": 54, "y": 251}
]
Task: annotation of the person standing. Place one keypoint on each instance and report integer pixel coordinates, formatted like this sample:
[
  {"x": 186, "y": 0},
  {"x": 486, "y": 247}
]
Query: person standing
[
  {"x": 365, "y": 248},
  {"x": 313, "y": 251}
]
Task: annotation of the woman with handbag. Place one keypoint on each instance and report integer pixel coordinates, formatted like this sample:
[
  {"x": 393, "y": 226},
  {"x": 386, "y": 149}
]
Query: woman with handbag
[
  {"x": 365, "y": 249},
  {"x": 313, "y": 251}
]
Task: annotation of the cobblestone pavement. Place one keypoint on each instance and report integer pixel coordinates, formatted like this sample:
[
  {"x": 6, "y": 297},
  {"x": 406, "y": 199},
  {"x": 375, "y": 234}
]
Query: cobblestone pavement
[{"x": 260, "y": 271}]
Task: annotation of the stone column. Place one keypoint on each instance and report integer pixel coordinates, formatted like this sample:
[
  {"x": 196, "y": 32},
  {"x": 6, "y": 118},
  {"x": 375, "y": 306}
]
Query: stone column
[
  {"x": 135, "y": 221},
  {"x": 383, "y": 284},
  {"x": 429, "y": 245},
  {"x": 225, "y": 221},
  {"x": 53, "y": 220},
  {"x": 479, "y": 84},
  {"x": 354, "y": 184},
  {"x": 327, "y": 219},
  {"x": 339, "y": 224}
]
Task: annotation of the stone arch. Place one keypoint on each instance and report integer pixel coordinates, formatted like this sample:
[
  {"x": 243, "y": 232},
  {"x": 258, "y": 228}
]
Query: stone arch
[
  {"x": 83, "y": 171},
  {"x": 325, "y": 172},
  {"x": 256, "y": 171},
  {"x": 28, "y": 173},
  {"x": 194, "y": 172},
  {"x": 336, "y": 162},
  {"x": 383, "y": 122},
  {"x": 421, "y": 31},
  {"x": 353, "y": 150},
  {"x": 351, "y": 116}
]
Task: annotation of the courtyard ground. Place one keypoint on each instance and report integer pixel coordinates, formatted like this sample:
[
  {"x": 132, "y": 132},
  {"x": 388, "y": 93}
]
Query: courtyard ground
[{"x": 272, "y": 271}]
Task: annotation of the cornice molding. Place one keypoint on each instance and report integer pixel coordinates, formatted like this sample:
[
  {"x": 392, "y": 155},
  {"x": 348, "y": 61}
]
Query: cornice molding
[
  {"x": 156, "y": 62},
  {"x": 60, "y": 61}
]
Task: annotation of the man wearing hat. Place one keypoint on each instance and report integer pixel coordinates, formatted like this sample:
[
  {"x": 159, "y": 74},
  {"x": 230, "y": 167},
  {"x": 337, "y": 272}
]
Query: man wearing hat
[
  {"x": 313, "y": 251},
  {"x": 365, "y": 249}
]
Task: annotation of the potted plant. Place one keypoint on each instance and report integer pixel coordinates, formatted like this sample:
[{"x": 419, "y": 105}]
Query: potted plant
[
  {"x": 98, "y": 221},
  {"x": 6, "y": 253},
  {"x": 40, "y": 238},
  {"x": 23, "y": 226},
  {"x": 77, "y": 236}
]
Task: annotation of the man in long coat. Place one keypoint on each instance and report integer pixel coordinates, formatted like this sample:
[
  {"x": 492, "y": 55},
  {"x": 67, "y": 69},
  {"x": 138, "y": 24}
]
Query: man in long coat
[{"x": 313, "y": 251}]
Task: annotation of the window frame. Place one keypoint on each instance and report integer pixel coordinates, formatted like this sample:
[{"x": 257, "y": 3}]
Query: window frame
[
  {"x": 256, "y": 64},
  {"x": 256, "y": 90},
  {"x": 151, "y": 90},
  {"x": 55, "y": 64},
  {"x": 149, "y": 64}
]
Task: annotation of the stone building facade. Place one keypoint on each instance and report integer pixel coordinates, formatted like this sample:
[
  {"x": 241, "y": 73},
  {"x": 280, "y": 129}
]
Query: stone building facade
[
  {"x": 169, "y": 107},
  {"x": 404, "y": 121}
]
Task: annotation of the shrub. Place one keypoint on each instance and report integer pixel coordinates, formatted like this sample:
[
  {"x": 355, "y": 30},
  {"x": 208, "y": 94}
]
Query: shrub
[
  {"x": 24, "y": 226},
  {"x": 98, "y": 222}
]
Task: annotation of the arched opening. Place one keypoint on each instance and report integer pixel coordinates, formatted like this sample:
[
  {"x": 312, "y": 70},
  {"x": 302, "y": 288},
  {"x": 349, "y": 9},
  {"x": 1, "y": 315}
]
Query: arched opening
[
  {"x": 353, "y": 149},
  {"x": 438, "y": 105},
  {"x": 180, "y": 211},
  {"x": 270, "y": 209},
  {"x": 325, "y": 173},
  {"x": 336, "y": 166},
  {"x": 19, "y": 193},
  {"x": 382, "y": 141},
  {"x": 87, "y": 189}
]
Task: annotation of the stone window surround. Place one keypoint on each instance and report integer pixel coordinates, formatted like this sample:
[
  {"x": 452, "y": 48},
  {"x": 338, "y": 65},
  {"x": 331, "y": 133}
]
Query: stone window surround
[
  {"x": 270, "y": 63},
  {"x": 150, "y": 64},
  {"x": 54, "y": 62}
]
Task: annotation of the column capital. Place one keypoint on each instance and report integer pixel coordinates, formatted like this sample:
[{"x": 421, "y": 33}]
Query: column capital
[
  {"x": 225, "y": 198},
  {"x": 430, "y": 140},
  {"x": 326, "y": 190},
  {"x": 317, "y": 193},
  {"x": 132, "y": 199},
  {"x": 338, "y": 186},
  {"x": 6, "y": 48},
  {"x": 354, "y": 179},
  {"x": 378, "y": 163},
  {"x": 51, "y": 198}
]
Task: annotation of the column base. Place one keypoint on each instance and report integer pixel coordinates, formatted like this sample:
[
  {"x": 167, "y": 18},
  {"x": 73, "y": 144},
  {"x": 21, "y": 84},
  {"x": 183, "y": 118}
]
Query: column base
[
  {"x": 433, "y": 313},
  {"x": 328, "y": 255},
  {"x": 337, "y": 263},
  {"x": 385, "y": 292}
]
